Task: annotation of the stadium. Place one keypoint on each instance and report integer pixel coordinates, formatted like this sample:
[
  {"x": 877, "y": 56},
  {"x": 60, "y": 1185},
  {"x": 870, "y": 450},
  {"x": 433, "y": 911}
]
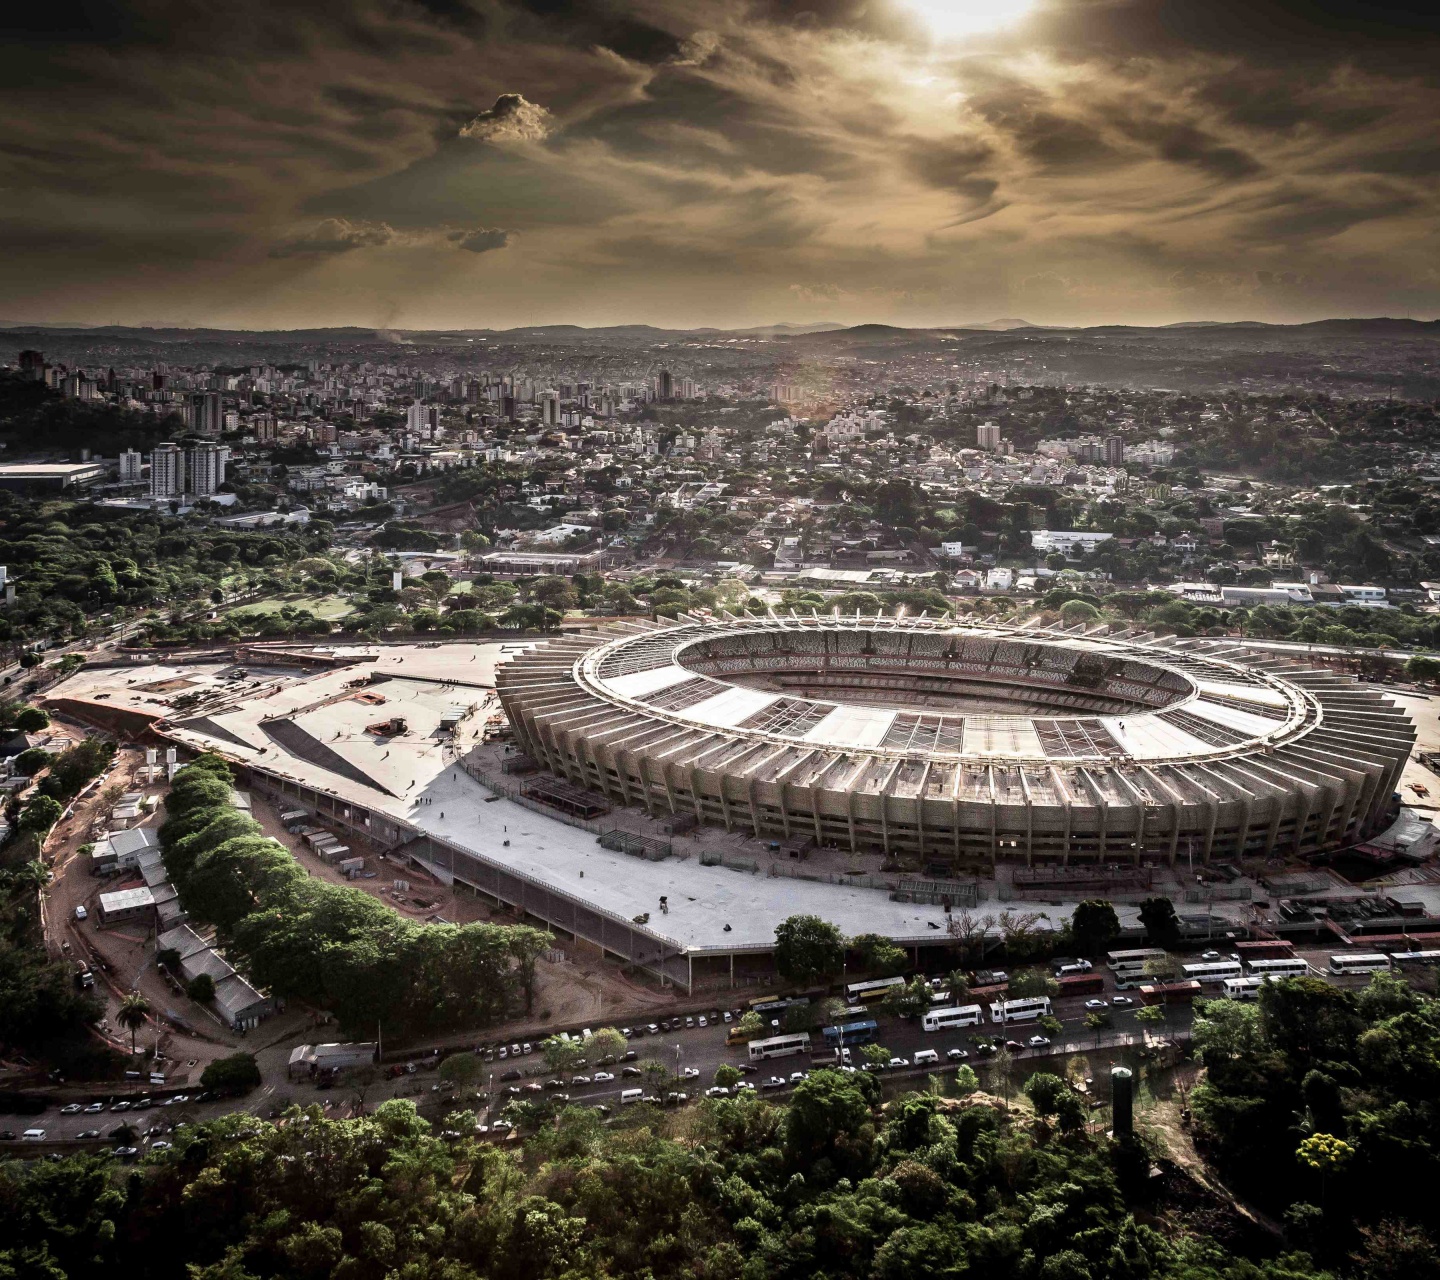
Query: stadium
[{"x": 962, "y": 745}]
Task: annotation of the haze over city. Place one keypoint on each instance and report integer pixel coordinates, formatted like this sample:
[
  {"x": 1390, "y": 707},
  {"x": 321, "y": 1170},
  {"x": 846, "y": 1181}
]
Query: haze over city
[{"x": 493, "y": 163}]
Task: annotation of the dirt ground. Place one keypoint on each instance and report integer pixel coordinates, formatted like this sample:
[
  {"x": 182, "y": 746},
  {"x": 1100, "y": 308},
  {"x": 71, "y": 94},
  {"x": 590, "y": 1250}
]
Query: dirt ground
[{"x": 129, "y": 953}]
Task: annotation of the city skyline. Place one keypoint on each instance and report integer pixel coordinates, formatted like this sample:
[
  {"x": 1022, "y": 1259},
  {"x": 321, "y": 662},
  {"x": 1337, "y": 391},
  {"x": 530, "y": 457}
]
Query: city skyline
[{"x": 498, "y": 163}]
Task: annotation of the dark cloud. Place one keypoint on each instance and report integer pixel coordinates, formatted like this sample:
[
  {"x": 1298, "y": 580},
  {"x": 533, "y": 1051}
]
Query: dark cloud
[
  {"x": 1129, "y": 153},
  {"x": 332, "y": 236},
  {"x": 482, "y": 239}
]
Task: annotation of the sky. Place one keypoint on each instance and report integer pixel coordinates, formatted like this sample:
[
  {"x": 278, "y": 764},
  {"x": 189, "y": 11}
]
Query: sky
[{"x": 684, "y": 163}]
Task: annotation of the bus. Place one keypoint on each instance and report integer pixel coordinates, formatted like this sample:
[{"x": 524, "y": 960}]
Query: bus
[
  {"x": 1081, "y": 984},
  {"x": 850, "y": 1033},
  {"x": 1367, "y": 962},
  {"x": 771, "y": 1006},
  {"x": 1027, "y": 1010},
  {"x": 961, "y": 1015},
  {"x": 1243, "y": 988},
  {"x": 1415, "y": 957},
  {"x": 780, "y": 1046},
  {"x": 1213, "y": 970},
  {"x": 1133, "y": 961},
  {"x": 878, "y": 989},
  {"x": 1182, "y": 992},
  {"x": 1293, "y": 968}
]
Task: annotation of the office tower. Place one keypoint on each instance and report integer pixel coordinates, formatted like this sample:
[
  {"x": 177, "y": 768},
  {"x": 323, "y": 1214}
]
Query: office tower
[
  {"x": 130, "y": 466},
  {"x": 549, "y": 408},
  {"x": 204, "y": 468},
  {"x": 987, "y": 435},
  {"x": 32, "y": 365},
  {"x": 167, "y": 471},
  {"x": 665, "y": 386},
  {"x": 415, "y": 418},
  {"x": 1114, "y": 450}
]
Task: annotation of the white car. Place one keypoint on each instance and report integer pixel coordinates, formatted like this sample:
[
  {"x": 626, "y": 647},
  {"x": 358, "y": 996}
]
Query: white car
[
  {"x": 71, "y": 1109},
  {"x": 1096, "y": 1004},
  {"x": 603, "y": 1077},
  {"x": 796, "y": 1077},
  {"x": 898, "y": 1062},
  {"x": 702, "y": 1021},
  {"x": 81, "y": 913},
  {"x": 1039, "y": 1042},
  {"x": 1122, "y": 1001},
  {"x": 726, "y": 1016},
  {"x": 717, "y": 1091},
  {"x": 744, "y": 1087},
  {"x": 577, "y": 1080},
  {"x": 957, "y": 1055}
]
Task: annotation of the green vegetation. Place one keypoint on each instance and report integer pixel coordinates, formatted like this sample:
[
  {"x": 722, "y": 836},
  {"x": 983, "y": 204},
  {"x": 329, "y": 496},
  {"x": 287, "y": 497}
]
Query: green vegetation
[
  {"x": 831, "y": 1187},
  {"x": 807, "y": 948},
  {"x": 234, "y": 1075},
  {"x": 333, "y": 946},
  {"x": 1322, "y": 1105}
]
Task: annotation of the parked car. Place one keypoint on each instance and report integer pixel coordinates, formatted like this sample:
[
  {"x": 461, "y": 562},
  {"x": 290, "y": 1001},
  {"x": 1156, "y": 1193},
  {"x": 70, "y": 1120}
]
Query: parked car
[
  {"x": 773, "y": 1082},
  {"x": 957, "y": 1055},
  {"x": 797, "y": 1076},
  {"x": 1096, "y": 1004},
  {"x": 579, "y": 1080},
  {"x": 71, "y": 1109},
  {"x": 690, "y": 1073},
  {"x": 898, "y": 1062},
  {"x": 510, "y": 1075},
  {"x": 603, "y": 1077},
  {"x": 1039, "y": 1042},
  {"x": 161, "y": 1146},
  {"x": 88, "y": 1133},
  {"x": 629, "y": 1071},
  {"x": 122, "y": 1105},
  {"x": 717, "y": 1091},
  {"x": 80, "y": 912},
  {"x": 95, "y": 1108},
  {"x": 127, "y": 1153},
  {"x": 1122, "y": 1001}
]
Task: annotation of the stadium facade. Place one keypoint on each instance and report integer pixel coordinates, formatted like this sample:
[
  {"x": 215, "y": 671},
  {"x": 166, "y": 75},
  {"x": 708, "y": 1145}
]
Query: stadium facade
[{"x": 964, "y": 744}]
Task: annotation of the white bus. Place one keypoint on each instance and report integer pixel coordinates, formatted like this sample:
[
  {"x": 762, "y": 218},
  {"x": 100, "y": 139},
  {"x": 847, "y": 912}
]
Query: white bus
[
  {"x": 780, "y": 1046},
  {"x": 1294, "y": 967},
  {"x": 1243, "y": 988},
  {"x": 1133, "y": 961},
  {"x": 964, "y": 1015},
  {"x": 1028, "y": 1010},
  {"x": 1403, "y": 958},
  {"x": 1368, "y": 962},
  {"x": 1213, "y": 970},
  {"x": 864, "y": 992}
]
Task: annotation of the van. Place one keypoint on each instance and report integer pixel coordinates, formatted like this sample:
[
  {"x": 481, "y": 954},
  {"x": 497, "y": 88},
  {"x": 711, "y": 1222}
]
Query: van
[
  {"x": 627, "y": 1096},
  {"x": 33, "y": 1135},
  {"x": 923, "y": 1056}
]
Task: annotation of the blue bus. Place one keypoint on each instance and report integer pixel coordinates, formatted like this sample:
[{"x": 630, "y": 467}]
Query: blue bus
[{"x": 849, "y": 1034}]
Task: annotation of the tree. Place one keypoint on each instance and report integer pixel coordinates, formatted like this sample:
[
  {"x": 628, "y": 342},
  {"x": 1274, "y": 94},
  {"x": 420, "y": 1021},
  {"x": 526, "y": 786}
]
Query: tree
[
  {"x": 1044, "y": 1089},
  {"x": 1002, "y": 1063},
  {"x": 527, "y": 945},
  {"x": 462, "y": 1069},
  {"x": 1423, "y": 669},
  {"x": 1097, "y": 1020},
  {"x": 877, "y": 954},
  {"x": 1027, "y": 983},
  {"x": 1162, "y": 925},
  {"x": 605, "y": 1043},
  {"x": 237, "y": 1074},
  {"x": 30, "y": 761},
  {"x": 1094, "y": 926},
  {"x": 958, "y": 985},
  {"x": 1151, "y": 1015},
  {"x": 751, "y": 1025},
  {"x": 808, "y": 948},
  {"x": 876, "y": 1055},
  {"x": 1075, "y": 612},
  {"x": 1396, "y": 1250},
  {"x": 728, "y": 1076},
  {"x": 133, "y": 1011},
  {"x": 561, "y": 1056},
  {"x": 31, "y": 720},
  {"x": 1326, "y": 1155},
  {"x": 201, "y": 988},
  {"x": 40, "y": 814},
  {"x": 966, "y": 1081}
]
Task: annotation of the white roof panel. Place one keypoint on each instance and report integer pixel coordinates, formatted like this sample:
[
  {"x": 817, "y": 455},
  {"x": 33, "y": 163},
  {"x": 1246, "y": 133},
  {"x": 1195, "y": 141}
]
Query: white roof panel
[
  {"x": 638, "y": 683},
  {"x": 853, "y": 727},
  {"x": 729, "y": 707}
]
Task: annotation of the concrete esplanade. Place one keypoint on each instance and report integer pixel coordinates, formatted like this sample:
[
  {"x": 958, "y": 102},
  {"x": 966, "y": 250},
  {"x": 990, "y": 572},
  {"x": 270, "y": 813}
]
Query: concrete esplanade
[{"x": 964, "y": 742}]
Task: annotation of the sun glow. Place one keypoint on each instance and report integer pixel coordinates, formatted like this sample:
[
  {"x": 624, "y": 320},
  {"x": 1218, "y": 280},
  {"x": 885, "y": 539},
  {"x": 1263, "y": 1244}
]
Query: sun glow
[{"x": 951, "y": 19}]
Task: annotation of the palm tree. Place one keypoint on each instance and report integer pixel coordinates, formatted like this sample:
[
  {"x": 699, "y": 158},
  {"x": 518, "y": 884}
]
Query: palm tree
[{"x": 134, "y": 1008}]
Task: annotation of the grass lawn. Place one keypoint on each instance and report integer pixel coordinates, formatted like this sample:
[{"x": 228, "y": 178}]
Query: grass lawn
[{"x": 330, "y": 607}]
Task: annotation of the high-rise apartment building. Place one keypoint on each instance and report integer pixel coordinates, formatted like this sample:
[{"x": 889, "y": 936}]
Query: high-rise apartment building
[
  {"x": 1114, "y": 450},
  {"x": 665, "y": 385},
  {"x": 204, "y": 468},
  {"x": 987, "y": 436},
  {"x": 167, "y": 471},
  {"x": 131, "y": 464}
]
